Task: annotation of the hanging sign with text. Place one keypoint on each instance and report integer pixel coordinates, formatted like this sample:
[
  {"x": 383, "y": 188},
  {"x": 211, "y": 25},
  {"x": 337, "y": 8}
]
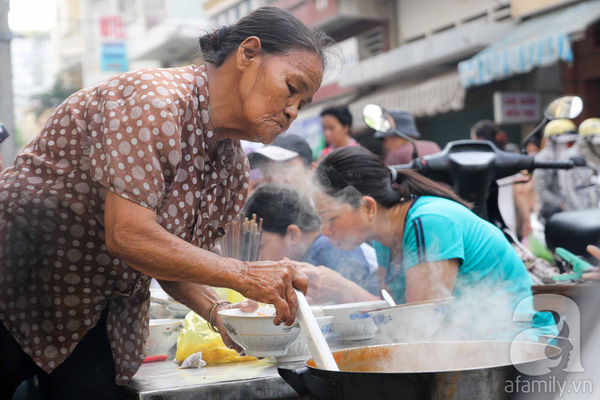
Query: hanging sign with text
[
  {"x": 113, "y": 46},
  {"x": 516, "y": 107}
]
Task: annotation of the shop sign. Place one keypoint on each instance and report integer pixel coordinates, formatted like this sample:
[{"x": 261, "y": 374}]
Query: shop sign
[
  {"x": 516, "y": 107},
  {"x": 113, "y": 45}
]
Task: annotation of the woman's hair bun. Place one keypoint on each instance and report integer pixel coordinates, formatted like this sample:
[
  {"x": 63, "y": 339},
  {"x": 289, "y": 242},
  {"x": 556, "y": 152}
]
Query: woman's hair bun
[
  {"x": 219, "y": 37},
  {"x": 213, "y": 41}
]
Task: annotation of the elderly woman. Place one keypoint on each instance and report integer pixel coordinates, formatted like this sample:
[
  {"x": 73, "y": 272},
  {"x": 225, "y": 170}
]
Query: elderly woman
[{"x": 137, "y": 178}]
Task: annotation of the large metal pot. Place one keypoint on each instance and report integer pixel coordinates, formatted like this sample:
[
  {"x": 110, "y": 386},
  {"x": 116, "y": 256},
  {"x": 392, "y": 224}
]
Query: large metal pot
[{"x": 421, "y": 371}]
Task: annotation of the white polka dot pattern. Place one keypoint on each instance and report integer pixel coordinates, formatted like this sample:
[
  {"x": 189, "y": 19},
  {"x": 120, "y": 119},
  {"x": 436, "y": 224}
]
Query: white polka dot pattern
[{"x": 145, "y": 135}]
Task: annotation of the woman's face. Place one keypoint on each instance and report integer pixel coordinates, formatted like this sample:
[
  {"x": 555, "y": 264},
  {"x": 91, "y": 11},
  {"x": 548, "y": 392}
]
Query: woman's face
[
  {"x": 346, "y": 227},
  {"x": 335, "y": 133},
  {"x": 273, "y": 89}
]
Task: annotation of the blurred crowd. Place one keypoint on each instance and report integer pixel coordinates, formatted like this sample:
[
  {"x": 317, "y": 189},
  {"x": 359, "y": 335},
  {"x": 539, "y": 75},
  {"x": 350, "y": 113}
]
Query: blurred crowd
[{"x": 281, "y": 176}]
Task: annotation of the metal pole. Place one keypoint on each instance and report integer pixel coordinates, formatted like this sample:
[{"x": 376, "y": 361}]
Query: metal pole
[{"x": 8, "y": 148}]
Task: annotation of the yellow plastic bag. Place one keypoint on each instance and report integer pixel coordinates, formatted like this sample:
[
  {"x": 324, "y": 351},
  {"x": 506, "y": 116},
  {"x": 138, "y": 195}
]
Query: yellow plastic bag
[
  {"x": 229, "y": 294},
  {"x": 196, "y": 336}
]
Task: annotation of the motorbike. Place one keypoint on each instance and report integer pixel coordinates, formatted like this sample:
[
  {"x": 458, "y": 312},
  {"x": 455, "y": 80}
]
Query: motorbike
[{"x": 473, "y": 167}]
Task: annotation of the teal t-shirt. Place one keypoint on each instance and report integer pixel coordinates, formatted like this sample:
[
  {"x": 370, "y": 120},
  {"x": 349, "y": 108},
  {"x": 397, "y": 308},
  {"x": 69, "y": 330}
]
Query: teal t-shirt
[{"x": 491, "y": 279}]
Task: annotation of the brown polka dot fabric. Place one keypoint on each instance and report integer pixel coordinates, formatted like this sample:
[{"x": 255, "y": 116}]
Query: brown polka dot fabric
[{"x": 145, "y": 135}]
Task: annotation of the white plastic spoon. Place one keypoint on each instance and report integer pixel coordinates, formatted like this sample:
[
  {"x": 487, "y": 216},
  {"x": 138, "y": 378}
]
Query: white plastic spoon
[
  {"x": 314, "y": 337},
  {"x": 388, "y": 298}
]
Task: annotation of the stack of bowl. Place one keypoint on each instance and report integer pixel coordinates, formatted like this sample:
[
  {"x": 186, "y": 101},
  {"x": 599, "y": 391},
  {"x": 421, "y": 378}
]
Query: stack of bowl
[{"x": 412, "y": 321}]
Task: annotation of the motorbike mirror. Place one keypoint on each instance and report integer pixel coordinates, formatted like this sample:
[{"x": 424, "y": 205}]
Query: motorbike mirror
[
  {"x": 377, "y": 118},
  {"x": 578, "y": 161},
  {"x": 564, "y": 107}
]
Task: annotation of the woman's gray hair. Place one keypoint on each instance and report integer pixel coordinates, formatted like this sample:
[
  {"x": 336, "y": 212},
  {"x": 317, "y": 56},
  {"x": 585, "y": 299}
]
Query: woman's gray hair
[{"x": 278, "y": 30}]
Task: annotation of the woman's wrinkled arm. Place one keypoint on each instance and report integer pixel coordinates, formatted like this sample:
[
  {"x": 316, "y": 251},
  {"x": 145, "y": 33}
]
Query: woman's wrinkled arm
[
  {"x": 133, "y": 235},
  {"x": 431, "y": 280}
]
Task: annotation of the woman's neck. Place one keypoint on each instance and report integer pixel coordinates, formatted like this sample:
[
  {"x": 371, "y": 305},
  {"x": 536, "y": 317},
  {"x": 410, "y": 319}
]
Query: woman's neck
[
  {"x": 345, "y": 141},
  {"x": 389, "y": 225},
  {"x": 222, "y": 82}
]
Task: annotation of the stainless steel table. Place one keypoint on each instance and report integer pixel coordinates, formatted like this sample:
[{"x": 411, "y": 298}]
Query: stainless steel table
[{"x": 163, "y": 380}]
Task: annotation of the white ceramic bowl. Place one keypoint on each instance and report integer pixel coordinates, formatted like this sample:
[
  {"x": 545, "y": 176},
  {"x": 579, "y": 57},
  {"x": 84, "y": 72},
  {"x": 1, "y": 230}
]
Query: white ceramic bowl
[
  {"x": 175, "y": 309},
  {"x": 350, "y": 322},
  {"x": 160, "y": 311},
  {"x": 411, "y": 322},
  {"x": 163, "y": 335},
  {"x": 298, "y": 350},
  {"x": 257, "y": 334}
]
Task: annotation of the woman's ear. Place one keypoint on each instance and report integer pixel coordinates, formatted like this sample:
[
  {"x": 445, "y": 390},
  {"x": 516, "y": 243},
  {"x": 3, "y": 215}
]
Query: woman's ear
[
  {"x": 249, "y": 51},
  {"x": 293, "y": 234},
  {"x": 369, "y": 205}
]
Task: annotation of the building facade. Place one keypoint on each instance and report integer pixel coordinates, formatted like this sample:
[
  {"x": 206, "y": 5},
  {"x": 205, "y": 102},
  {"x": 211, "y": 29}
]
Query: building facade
[{"x": 96, "y": 39}]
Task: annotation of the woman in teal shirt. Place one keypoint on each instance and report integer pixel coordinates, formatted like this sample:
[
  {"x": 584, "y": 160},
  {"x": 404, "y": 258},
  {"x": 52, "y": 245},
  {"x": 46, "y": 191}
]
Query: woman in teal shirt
[{"x": 438, "y": 246}]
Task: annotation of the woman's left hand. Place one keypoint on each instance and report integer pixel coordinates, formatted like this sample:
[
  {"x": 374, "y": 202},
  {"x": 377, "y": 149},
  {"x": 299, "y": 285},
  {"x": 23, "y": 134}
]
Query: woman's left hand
[
  {"x": 246, "y": 306},
  {"x": 327, "y": 285}
]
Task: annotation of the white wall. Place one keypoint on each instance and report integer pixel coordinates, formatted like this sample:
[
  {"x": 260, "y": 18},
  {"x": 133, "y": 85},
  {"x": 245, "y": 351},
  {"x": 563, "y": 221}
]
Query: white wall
[
  {"x": 423, "y": 17},
  {"x": 67, "y": 41},
  {"x": 33, "y": 73}
]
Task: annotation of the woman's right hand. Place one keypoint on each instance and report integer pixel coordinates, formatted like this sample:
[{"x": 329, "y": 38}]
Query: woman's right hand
[{"x": 273, "y": 283}]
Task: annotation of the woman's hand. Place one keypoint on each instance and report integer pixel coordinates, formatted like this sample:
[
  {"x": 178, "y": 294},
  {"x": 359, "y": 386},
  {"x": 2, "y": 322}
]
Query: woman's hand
[
  {"x": 327, "y": 285},
  {"x": 273, "y": 283},
  {"x": 594, "y": 274},
  {"x": 246, "y": 306}
]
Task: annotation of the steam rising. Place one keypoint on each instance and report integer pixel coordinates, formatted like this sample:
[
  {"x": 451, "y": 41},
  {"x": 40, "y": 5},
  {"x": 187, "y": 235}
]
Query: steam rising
[
  {"x": 483, "y": 312},
  {"x": 483, "y": 309}
]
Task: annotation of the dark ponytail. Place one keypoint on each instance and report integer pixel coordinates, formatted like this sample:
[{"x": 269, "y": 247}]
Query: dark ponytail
[
  {"x": 278, "y": 30},
  {"x": 350, "y": 173}
]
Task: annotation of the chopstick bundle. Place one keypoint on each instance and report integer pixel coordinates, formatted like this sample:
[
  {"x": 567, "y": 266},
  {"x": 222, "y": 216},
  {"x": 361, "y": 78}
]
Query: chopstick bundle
[{"x": 242, "y": 238}]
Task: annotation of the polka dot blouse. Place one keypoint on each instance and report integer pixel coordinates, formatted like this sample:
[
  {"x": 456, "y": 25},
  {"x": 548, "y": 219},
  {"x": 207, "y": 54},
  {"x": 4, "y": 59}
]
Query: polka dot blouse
[{"x": 144, "y": 135}]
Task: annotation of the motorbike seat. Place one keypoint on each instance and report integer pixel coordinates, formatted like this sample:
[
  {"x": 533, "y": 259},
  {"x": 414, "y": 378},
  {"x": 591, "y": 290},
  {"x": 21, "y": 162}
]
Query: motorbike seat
[{"x": 573, "y": 230}]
